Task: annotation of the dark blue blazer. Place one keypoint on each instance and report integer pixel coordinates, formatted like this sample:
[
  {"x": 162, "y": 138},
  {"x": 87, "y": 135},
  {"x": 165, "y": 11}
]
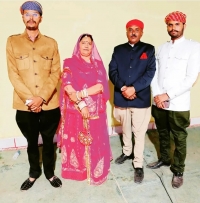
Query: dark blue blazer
[{"x": 127, "y": 67}]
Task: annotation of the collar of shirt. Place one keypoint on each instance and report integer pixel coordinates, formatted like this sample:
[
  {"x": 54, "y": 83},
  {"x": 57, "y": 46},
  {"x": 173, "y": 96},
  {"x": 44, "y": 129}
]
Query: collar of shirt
[
  {"x": 25, "y": 34},
  {"x": 131, "y": 45},
  {"x": 177, "y": 41}
]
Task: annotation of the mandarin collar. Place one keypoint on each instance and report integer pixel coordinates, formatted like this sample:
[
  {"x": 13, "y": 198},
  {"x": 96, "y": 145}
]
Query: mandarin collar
[
  {"x": 177, "y": 41},
  {"x": 134, "y": 45}
]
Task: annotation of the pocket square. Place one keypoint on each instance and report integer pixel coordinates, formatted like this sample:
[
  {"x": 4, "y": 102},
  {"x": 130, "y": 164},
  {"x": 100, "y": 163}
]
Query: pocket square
[{"x": 143, "y": 56}]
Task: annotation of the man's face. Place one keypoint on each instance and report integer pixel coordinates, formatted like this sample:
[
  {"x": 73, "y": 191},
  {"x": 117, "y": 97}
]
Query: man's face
[
  {"x": 31, "y": 19},
  {"x": 134, "y": 33},
  {"x": 175, "y": 29}
]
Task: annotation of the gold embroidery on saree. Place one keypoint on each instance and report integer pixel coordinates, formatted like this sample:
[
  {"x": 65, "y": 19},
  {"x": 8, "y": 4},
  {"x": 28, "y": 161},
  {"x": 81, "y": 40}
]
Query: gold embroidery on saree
[
  {"x": 73, "y": 159},
  {"x": 98, "y": 171}
]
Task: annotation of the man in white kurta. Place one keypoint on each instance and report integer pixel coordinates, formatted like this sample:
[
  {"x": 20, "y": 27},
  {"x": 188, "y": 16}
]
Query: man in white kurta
[{"x": 177, "y": 67}]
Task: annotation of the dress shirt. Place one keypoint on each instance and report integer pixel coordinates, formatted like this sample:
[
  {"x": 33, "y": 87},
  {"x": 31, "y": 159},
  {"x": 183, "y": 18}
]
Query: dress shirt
[{"x": 177, "y": 67}]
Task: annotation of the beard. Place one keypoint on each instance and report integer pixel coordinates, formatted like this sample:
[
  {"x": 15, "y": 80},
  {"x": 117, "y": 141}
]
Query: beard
[
  {"x": 176, "y": 34},
  {"x": 34, "y": 27},
  {"x": 31, "y": 28}
]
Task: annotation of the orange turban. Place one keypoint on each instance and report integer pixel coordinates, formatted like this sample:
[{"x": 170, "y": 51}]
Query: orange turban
[
  {"x": 176, "y": 16},
  {"x": 135, "y": 22}
]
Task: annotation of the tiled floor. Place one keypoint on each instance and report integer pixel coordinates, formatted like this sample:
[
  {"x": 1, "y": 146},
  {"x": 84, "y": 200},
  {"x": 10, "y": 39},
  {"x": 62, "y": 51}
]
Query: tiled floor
[{"x": 119, "y": 188}]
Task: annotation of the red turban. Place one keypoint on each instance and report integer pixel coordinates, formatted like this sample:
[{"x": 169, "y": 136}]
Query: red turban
[
  {"x": 135, "y": 22},
  {"x": 176, "y": 16}
]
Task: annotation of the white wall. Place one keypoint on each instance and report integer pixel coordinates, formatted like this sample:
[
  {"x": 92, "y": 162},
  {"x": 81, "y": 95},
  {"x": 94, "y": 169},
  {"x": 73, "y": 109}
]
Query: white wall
[{"x": 105, "y": 20}]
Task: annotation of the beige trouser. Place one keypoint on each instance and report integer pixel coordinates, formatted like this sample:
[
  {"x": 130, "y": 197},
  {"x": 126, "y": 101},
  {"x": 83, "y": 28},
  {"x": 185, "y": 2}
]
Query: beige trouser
[{"x": 136, "y": 120}]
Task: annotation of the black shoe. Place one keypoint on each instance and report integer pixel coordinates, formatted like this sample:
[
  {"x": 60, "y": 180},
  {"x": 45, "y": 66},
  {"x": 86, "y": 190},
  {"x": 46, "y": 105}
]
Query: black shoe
[
  {"x": 27, "y": 184},
  {"x": 157, "y": 164},
  {"x": 138, "y": 175},
  {"x": 56, "y": 182},
  {"x": 177, "y": 180},
  {"x": 122, "y": 158}
]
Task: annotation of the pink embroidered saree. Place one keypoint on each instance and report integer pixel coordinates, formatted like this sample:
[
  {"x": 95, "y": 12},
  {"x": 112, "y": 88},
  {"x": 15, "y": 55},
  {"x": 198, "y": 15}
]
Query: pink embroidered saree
[{"x": 80, "y": 75}]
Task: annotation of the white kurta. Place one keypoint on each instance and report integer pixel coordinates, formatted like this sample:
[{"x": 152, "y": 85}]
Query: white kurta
[{"x": 177, "y": 67}]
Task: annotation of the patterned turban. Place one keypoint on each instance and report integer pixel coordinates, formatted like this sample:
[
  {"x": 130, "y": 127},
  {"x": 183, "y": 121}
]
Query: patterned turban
[
  {"x": 135, "y": 22},
  {"x": 176, "y": 16},
  {"x": 31, "y": 5}
]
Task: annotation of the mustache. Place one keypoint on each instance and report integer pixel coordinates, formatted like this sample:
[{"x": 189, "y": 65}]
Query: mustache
[
  {"x": 133, "y": 35},
  {"x": 173, "y": 31},
  {"x": 31, "y": 21}
]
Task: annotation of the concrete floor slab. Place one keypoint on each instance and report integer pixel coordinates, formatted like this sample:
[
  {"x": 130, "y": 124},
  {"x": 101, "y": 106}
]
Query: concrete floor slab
[
  {"x": 119, "y": 188},
  {"x": 150, "y": 190}
]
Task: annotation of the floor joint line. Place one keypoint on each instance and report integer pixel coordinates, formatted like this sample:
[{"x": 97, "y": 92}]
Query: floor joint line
[
  {"x": 118, "y": 186},
  {"x": 160, "y": 177}
]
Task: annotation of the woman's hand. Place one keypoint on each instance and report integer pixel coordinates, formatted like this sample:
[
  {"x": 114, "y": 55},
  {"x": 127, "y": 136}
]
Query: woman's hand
[
  {"x": 73, "y": 97},
  {"x": 69, "y": 89},
  {"x": 95, "y": 89},
  {"x": 71, "y": 92},
  {"x": 99, "y": 87},
  {"x": 85, "y": 113}
]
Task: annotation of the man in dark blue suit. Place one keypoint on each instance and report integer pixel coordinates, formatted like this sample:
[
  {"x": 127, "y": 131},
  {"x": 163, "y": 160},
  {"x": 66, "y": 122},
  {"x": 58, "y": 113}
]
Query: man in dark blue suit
[{"x": 131, "y": 71}]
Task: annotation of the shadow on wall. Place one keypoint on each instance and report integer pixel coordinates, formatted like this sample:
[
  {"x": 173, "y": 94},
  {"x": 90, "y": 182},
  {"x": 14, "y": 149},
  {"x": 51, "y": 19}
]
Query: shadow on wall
[{"x": 111, "y": 101}]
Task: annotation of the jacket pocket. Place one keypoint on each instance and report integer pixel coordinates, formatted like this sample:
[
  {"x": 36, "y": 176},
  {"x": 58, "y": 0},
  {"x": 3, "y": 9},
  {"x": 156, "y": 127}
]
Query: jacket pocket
[
  {"x": 22, "y": 61},
  {"x": 46, "y": 62},
  {"x": 181, "y": 57},
  {"x": 180, "y": 62}
]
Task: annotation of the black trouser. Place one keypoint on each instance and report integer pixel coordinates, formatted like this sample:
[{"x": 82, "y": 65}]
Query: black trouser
[
  {"x": 45, "y": 123},
  {"x": 175, "y": 122}
]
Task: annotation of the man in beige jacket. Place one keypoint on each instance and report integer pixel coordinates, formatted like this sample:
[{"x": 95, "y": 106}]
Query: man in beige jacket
[{"x": 34, "y": 70}]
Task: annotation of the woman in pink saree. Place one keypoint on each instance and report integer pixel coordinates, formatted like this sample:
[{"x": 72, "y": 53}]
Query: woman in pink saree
[{"x": 83, "y": 97}]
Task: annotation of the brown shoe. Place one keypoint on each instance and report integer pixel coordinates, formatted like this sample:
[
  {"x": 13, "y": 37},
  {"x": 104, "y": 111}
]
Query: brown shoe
[
  {"x": 138, "y": 175},
  {"x": 177, "y": 180}
]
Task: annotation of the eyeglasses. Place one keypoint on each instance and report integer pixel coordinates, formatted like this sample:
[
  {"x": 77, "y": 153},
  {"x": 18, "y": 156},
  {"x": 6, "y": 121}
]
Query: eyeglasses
[{"x": 33, "y": 15}]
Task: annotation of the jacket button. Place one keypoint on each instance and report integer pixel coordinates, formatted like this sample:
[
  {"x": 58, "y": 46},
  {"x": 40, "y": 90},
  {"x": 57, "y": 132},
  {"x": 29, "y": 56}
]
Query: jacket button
[
  {"x": 34, "y": 61},
  {"x": 35, "y": 73},
  {"x": 36, "y": 86},
  {"x": 33, "y": 48}
]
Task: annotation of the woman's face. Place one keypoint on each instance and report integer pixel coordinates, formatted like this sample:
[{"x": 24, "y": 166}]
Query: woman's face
[{"x": 85, "y": 46}]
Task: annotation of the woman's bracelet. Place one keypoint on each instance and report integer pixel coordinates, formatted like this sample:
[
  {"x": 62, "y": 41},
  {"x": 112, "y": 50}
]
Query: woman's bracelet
[
  {"x": 81, "y": 105},
  {"x": 77, "y": 102},
  {"x": 84, "y": 93},
  {"x": 79, "y": 99}
]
